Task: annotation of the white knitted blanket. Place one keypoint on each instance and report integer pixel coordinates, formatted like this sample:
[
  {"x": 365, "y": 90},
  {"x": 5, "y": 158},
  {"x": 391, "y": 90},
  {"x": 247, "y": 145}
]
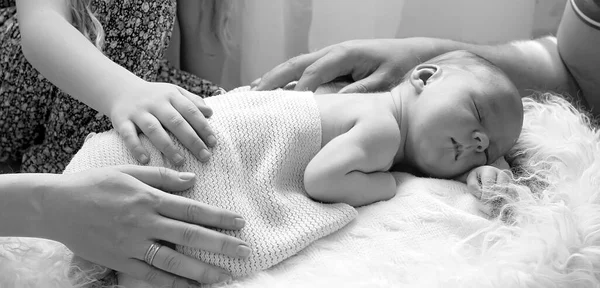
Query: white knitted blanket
[{"x": 265, "y": 141}]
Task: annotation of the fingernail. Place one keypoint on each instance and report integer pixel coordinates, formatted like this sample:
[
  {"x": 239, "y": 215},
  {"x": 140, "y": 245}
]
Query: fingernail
[
  {"x": 204, "y": 154},
  {"x": 243, "y": 251},
  {"x": 239, "y": 222},
  {"x": 224, "y": 277},
  {"x": 186, "y": 176},
  {"x": 212, "y": 141},
  {"x": 178, "y": 159},
  {"x": 144, "y": 158}
]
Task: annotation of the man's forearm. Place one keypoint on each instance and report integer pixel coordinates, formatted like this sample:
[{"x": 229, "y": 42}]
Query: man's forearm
[{"x": 531, "y": 65}]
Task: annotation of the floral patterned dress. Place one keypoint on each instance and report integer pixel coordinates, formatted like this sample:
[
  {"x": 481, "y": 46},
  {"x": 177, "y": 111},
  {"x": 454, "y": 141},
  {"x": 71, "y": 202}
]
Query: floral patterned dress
[{"x": 43, "y": 126}]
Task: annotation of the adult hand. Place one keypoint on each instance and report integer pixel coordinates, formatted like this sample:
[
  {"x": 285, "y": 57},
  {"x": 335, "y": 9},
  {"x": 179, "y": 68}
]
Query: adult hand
[
  {"x": 375, "y": 65},
  {"x": 152, "y": 107},
  {"x": 111, "y": 216}
]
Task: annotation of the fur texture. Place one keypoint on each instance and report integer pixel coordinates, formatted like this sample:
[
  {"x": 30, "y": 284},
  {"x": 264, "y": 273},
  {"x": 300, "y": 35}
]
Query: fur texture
[{"x": 547, "y": 233}]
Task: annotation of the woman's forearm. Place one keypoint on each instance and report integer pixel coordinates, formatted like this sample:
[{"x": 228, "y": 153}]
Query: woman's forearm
[
  {"x": 22, "y": 204},
  {"x": 531, "y": 65},
  {"x": 71, "y": 62}
]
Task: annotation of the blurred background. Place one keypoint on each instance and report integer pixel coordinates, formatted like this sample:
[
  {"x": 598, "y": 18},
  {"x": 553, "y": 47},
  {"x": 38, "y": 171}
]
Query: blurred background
[{"x": 268, "y": 32}]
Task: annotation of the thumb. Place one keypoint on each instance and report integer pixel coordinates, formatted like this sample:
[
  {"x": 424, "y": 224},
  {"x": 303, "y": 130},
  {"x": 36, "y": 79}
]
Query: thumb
[
  {"x": 198, "y": 101},
  {"x": 369, "y": 84},
  {"x": 160, "y": 178}
]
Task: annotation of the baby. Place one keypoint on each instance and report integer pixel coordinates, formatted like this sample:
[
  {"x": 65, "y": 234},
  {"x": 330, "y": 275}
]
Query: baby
[
  {"x": 278, "y": 149},
  {"x": 454, "y": 114}
]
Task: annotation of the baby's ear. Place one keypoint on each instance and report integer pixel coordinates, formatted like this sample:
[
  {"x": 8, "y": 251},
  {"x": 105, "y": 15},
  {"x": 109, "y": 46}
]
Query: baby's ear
[{"x": 422, "y": 75}]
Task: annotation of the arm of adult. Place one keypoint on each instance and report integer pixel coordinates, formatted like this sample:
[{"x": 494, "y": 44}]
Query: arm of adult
[
  {"x": 110, "y": 216},
  {"x": 579, "y": 46},
  {"x": 380, "y": 64},
  {"x": 568, "y": 63},
  {"x": 71, "y": 62}
]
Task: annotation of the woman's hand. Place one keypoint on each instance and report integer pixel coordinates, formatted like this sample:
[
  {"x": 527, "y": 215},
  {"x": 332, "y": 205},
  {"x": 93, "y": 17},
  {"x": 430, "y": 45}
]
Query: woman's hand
[
  {"x": 375, "y": 65},
  {"x": 154, "y": 109},
  {"x": 111, "y": 216}
]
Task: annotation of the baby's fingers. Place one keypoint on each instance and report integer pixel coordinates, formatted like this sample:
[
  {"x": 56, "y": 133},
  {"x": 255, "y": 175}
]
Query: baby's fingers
[
  {"x": 473, "y": 184},
  {"x": 503, "y": 178},
  {"x": 129, "y": 134}
]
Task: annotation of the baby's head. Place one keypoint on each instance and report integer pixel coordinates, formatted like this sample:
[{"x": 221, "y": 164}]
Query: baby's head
[{"x": 461, "y": 112}]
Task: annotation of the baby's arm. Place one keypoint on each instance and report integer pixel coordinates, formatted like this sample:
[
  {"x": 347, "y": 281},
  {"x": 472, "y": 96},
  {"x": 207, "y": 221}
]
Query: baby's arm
[{"x": 351, "y": 167}]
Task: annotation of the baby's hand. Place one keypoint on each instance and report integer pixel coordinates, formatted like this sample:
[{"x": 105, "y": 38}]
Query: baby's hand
[
  {"x": 484, "y": 177},
  {"x": 154, "y": 108}
]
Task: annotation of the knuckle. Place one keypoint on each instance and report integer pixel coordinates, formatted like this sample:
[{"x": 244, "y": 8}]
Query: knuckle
[
  {"x": 343, "y": 49},
  {"x": 124, "y": 132},
  {"x": 192, "y": 110},
  {"x": 163, "y": 173},
  {"x": 169, "y": 146},
  {"x": 172, "y": 263},
  {"x": 291, "y": 63},
  {"x": 189, "y": 235},
  {"x": 197, "y": 142},
  {"x": 177, "y": 120},
  {"x": 207, "y": 276},
  {"x": 361, "y": 88},
  {"x": 153, "y": 128},
  {"x": 152, "y": 276},
  {"x": 224, "y": 244},
  {"x": 313, "y": 73},
  {"x": 193, "y": 214},
  {"x": 180, "y": 283}
]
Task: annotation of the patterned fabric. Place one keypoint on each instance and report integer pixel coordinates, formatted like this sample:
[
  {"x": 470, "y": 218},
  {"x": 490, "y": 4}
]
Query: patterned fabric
[
  {"x": 45, "y": 126},
  {"x": 266, "y": 140},
  {"x": 7, "y": 3}
]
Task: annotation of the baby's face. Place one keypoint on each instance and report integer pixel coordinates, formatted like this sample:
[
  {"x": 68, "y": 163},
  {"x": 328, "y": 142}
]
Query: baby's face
[{"x": 460, "y": 123}]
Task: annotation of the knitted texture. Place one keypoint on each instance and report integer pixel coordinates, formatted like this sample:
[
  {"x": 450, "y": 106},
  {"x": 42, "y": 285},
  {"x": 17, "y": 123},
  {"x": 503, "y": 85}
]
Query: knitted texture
[{"x": 265, "y": 141}]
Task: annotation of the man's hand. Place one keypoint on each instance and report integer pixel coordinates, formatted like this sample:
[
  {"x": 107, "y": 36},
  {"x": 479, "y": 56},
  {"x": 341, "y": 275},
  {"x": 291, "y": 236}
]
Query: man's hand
[{"x": 375, "y": 65}]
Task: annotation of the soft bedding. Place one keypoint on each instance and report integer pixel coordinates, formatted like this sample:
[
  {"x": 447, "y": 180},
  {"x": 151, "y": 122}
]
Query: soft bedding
[{"x": 434, "y": 233}]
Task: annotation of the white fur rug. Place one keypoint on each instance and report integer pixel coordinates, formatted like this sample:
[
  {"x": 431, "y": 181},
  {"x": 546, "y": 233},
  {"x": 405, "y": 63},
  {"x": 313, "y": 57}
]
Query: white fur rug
[{"x": 432, "y": 234}]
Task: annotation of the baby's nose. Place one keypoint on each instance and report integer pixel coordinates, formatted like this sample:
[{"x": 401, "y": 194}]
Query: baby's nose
[{"x": 481, "y": 141}]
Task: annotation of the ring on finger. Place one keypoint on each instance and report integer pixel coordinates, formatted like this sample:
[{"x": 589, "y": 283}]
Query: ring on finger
[{"x": 151, "y": 253}]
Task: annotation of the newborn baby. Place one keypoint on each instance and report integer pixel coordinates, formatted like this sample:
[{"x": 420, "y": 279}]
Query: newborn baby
[
  {"x": 450, "y": 115},
  {"x": 276, "y": 150}
]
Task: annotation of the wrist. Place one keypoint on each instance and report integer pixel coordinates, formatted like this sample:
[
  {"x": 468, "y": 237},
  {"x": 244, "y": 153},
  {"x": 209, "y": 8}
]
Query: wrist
[
  {"x": 44, "y": 201},
  {"x": 24, "y": 208},
  {"x": 122, "y": 94}
]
